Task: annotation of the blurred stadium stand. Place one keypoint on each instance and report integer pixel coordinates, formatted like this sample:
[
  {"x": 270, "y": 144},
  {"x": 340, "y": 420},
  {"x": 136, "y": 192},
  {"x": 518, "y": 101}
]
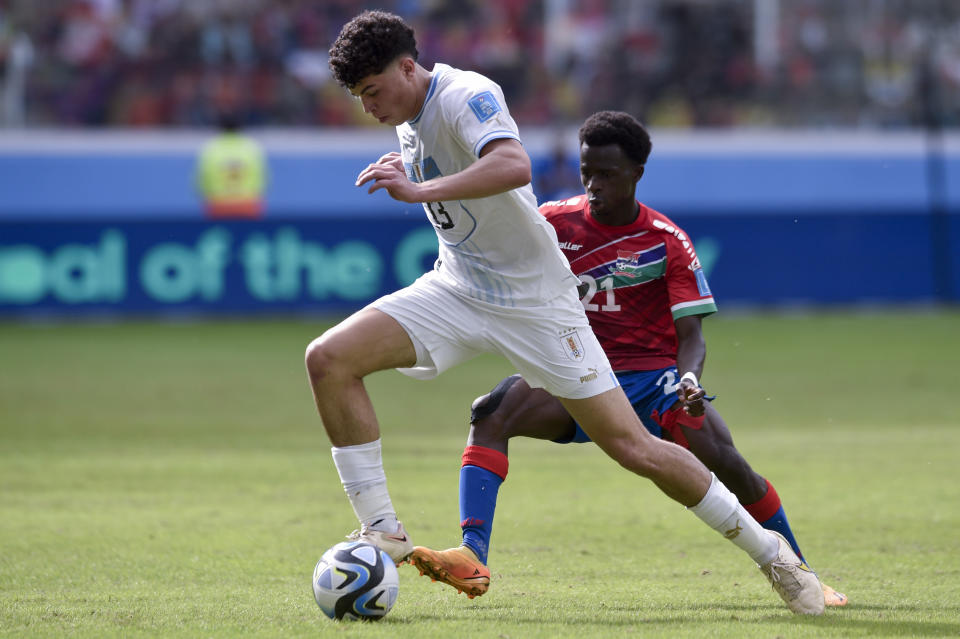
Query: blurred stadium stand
[
  {"x": 810, "y": 147},
  {"x": 875, "y": 63}
]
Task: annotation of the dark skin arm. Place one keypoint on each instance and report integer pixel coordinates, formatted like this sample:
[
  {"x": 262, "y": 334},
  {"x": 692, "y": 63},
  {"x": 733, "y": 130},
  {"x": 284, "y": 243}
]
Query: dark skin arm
[{"x": 691, "y": 353}]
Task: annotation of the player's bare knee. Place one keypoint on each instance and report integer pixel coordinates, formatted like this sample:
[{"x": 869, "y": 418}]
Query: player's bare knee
[
  {"x": 486, "y": 405},
  {"x": 320, "y": 359},
  {"x": 497, "y": 427},
  {"x": 640, "y": 464},
  {"x": 314, "y": 359},
  {"x": 636, "y": 455},
  {"x": 487, "y": 423},
  {"x": 485, "y": 427}
]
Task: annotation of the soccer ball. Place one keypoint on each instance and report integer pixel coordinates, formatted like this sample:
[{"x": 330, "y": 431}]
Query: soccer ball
[{"x": 355, "y": 580}]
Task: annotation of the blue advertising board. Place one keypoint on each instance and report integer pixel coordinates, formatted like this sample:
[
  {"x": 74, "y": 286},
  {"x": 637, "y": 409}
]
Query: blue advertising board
[
  {"x": 94, "y": 223},
  {"x": 337, "y": 265},
  {"x": 146, "y": 267}
]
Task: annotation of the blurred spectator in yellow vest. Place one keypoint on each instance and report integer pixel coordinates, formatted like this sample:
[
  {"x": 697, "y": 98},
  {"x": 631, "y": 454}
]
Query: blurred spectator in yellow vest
[{"x": 232, "y": 173}]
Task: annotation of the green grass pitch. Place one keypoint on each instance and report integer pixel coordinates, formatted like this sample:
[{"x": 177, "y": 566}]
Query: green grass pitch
[{"x": 172, "y": 479}]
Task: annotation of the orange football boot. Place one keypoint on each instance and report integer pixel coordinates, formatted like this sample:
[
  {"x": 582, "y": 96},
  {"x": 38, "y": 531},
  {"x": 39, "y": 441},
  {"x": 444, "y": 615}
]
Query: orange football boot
[
  {"x": 833, "y": 598},
  {"x": 458, "y": 567}
]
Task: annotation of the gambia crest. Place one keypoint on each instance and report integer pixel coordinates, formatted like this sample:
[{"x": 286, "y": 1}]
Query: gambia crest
[{"x": 637, "y": 264}]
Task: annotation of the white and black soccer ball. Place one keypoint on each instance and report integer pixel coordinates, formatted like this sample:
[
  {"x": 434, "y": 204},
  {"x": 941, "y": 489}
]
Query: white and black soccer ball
[{"x": 355, "y": 580}]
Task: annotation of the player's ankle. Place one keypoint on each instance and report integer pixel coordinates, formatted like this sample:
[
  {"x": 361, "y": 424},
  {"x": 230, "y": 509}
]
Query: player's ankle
[
  {"x": 384, "y": 523},
  {"x": 469, "y": 552}
]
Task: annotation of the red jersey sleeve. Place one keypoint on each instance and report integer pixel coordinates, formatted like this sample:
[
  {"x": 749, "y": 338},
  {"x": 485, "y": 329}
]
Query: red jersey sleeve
[{"x": 687, "y": 287}]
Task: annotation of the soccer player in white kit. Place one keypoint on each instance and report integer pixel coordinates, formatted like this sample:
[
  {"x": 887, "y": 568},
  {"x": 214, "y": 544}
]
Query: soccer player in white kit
[{"x": 500, "y": 285}]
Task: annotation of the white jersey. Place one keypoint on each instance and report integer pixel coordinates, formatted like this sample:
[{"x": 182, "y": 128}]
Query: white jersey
[{"x": 497, "y": 249}]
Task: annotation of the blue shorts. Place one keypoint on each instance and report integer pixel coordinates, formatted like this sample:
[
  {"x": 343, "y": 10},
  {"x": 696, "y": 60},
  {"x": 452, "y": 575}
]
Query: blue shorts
[{"x": 647, "y": 391}]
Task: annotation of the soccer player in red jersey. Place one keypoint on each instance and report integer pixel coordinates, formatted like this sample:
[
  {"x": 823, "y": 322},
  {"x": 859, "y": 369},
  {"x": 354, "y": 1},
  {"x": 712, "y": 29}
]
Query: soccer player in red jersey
[{"x": 645, "y": 294}]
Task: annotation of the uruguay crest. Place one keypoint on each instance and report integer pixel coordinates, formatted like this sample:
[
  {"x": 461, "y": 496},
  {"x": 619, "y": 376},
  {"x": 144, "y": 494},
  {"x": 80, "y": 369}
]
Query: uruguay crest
[{"x": 572, "y": 345}]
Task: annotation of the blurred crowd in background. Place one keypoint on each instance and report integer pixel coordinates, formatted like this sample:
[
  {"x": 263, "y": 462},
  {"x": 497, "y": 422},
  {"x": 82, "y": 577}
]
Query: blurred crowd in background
[{"x": 676, "y": 63}]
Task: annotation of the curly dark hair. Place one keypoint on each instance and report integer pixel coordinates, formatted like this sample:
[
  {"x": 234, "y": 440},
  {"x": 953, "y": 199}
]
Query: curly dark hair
[
  {"x": 622, "y": 129},
  {"x": 367, "y": 44}
]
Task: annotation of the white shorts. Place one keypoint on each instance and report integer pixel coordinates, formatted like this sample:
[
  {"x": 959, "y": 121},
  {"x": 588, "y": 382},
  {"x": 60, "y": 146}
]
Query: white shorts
[{"x": 552, "y": 346}]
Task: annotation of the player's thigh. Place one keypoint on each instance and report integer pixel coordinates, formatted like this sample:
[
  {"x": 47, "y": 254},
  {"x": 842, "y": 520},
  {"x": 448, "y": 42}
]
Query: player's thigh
[
  {"x": 440, "y": 325},
  {"x": 612, "y": 423},
  {"x": 366, "y": 341},
  {"x": 644, "y": 391}
]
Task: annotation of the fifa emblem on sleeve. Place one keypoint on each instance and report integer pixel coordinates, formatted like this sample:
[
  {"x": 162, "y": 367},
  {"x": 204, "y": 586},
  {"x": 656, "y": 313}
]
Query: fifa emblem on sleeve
[
  {"x": 702, "y": 287},
  {"x": 572, "y": 346},
  {"x": 484, "y": 106}
]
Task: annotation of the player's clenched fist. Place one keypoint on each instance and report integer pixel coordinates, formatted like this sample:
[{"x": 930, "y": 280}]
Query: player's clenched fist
[{"x": 692, "y": 397}]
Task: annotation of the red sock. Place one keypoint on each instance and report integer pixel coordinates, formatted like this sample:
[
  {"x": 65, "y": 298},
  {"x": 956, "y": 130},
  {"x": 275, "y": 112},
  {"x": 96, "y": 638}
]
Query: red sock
[
  {"x": 768, "y": 505},
  {"x": 486, "y": 458}
]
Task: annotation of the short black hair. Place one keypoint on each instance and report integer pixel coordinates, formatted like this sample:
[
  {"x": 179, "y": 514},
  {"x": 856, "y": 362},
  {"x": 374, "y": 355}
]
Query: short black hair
[
  {"x": 367, "y": 44},
  {"x": 622, "y": 129}
]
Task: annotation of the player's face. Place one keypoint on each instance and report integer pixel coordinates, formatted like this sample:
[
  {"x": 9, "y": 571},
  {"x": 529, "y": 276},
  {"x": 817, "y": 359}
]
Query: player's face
[
  {"x": 609, "y": 178},
  {"x": 389, "y": 96}
]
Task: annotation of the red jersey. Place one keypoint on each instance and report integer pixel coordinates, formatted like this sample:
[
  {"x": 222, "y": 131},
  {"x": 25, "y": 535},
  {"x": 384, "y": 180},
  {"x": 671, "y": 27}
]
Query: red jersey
[{"x": 641, "y": 277}]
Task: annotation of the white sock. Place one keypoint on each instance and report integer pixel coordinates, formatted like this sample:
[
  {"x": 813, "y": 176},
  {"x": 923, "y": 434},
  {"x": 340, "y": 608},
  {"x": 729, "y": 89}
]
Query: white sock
[
  {"x": 720, "y": 510},
  {"x": 363, "y": 479}
]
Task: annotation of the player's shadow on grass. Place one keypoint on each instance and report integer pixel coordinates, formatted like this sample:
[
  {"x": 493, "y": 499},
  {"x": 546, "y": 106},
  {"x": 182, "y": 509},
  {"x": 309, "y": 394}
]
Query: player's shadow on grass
[
  {"x": 840, "y": 625},
  {"x": 835, "y": 621}
]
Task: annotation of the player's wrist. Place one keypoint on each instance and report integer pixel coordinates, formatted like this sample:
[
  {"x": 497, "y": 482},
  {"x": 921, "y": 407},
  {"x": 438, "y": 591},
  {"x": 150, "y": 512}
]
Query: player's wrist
[
  {"x": 430, "y": 191},
  {"x": 691, "y": 377}
]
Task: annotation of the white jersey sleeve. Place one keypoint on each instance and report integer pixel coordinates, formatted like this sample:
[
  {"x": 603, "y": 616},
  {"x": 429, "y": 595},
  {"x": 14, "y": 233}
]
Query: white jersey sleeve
[{"x": 477, "y": 112}]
